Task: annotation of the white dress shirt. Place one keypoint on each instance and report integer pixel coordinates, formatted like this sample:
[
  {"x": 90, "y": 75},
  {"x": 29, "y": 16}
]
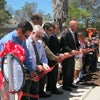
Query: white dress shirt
[{"x": 40, "y": 49}]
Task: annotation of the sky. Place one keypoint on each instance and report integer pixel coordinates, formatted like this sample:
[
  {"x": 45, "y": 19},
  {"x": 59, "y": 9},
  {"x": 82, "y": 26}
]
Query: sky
[{"x": 44, "y": 5}]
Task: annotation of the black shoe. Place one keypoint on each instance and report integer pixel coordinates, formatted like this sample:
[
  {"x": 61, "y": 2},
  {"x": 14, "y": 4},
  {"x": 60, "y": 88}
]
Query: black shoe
[
  {"x": 57, "y": 92},
  {"x": 47, "y": 89},
  {"x": 44, "y": 95},
  {"x": 74, "y": 86},
  {"x": 67, "y": 89}
]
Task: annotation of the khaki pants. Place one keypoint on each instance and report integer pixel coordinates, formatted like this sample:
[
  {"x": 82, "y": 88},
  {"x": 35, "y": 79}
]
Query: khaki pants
[{"x": 78, "y": 63}]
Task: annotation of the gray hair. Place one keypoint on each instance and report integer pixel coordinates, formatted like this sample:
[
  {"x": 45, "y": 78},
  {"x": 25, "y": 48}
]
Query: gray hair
[{"x": 37, "y": 28}]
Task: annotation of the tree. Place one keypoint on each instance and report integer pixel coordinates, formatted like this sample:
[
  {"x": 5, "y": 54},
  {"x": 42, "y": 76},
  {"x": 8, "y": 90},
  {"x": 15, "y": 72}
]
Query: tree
[
  {"x": 26, "y": 12},
  {"x": 60, "y": 9},
  {"x": 81, "y": 15},
  {"x": 85, "y": 11},
  {"x": 47, "y": 17},
  {"x": 96, "y": 14},
  {"x": 4, "y": 14}
]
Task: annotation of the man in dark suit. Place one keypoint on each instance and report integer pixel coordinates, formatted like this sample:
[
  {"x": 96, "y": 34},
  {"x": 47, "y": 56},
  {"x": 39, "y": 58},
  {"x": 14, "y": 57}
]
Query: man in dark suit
[
  {"x": 54, "y": 46},
  {"x": 51, "y": 40},
  {"x": 69, "y": 43}
]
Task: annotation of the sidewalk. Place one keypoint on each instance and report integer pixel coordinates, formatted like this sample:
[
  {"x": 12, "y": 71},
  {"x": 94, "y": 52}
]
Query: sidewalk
[
  {"x": 94, "y": 94},
  {"x": 82, "y": 93},
  {"x": 76, "y": 94}
]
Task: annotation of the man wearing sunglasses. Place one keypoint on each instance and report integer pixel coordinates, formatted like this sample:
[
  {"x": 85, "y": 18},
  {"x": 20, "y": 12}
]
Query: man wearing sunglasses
[{"x": 18, "y": 36}]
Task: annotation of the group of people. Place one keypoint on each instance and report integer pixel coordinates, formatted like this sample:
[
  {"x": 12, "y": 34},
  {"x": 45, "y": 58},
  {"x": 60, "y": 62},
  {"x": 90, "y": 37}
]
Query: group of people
[
  {"x": 92, "y": 32},
  {"x": 44, "y": 51},
  {"x": 86, "y": 62}
]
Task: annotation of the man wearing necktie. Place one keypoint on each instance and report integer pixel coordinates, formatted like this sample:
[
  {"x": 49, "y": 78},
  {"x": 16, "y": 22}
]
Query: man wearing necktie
[
  {"x": 37, "y": 56},
  {"x": 69, "y": 43}
]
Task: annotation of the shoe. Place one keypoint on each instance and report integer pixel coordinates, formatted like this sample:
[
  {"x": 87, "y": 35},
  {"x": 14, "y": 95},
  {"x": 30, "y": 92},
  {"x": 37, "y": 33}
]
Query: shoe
[
  {"x": 47, "y": 89},
  {"x": 74, "y": 86},
  {"x": 75, "y": 81},
  {"x": 57, "y": 92},
  {"x": 78, "y": 79},
  {"x": 67, "y": 89},
  {"x": 44, "y": 95}
]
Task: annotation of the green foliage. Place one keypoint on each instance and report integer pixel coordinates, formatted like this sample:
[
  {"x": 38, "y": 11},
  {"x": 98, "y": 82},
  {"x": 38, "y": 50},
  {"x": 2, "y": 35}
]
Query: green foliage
[
  {"x": 47, "y": 17},
  {"x": 85, "y": 11},
  {"x": 2, "y": 4},
  {"x": 28, "y": 10},
  {"x": 73, "y": 13},
  {"x": 4, "y": 14}
]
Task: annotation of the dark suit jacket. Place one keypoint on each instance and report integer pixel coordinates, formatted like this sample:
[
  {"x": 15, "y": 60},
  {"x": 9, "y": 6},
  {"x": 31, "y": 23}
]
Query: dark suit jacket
[
  {"x": 49, "y": 53},
  {"x": 45, "y": 39},
  {"x": 67, "y": 42},
  {"x": 54, "y": 44}
]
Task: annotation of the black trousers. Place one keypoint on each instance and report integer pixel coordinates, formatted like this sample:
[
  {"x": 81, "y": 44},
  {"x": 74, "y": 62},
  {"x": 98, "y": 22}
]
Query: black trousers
[
  {"x": 30, "y": 87},
  {"x": 42, "y": 84},
  {"x": 52, "y": 79},
  {"x": 68, "y": 72}
]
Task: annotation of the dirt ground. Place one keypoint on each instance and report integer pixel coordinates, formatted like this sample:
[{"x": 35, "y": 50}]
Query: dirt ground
[{"x": 92, "y": 79}]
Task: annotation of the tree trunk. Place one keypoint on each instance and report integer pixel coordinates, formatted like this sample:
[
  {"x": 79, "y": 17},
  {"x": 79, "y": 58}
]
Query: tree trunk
[{"x": 60, "y": 11}]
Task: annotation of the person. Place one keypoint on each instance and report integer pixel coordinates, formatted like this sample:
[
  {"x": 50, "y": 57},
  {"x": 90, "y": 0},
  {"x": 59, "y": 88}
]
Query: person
[
  {"x": 38, "y": 58},
  {"x": 18, "y": 36},
  {"x": 69, "y": 43},
  {"x": 94, "y": 46},
  {"x": 88, "y": 57},
  {"x": 79, "y": 59},
  {"x": 94, "y": 33},
  {"x": 54, "y": 46},
  {"x": 48, "y": 28},
  {"x": 90, "y": 32},
  {"x": 64, "y": 28},
  {"x": 36, "y": 19}
]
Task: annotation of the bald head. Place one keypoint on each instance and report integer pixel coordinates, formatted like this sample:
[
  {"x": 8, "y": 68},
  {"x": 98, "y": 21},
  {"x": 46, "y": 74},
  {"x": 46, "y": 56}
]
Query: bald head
[{"x": 73, "y": 25}]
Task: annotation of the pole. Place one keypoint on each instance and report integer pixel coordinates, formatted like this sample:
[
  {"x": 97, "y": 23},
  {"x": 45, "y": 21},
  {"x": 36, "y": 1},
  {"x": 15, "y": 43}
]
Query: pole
[{"x": 10, "y": 75}]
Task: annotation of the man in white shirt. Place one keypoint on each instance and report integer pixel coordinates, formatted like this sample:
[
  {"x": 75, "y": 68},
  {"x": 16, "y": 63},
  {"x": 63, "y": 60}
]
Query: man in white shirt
[{"x": 42, "y": 63}]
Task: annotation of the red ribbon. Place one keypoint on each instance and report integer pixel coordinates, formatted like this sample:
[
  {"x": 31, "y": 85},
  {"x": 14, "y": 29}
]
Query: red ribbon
[
  {"x": 1, "y": 80},
  {"x": 19, "y": 52},
  {"x": 20, "y": 94},
  {"x": 45, "y": 72},
  {"x": 15, "y": 49},
  {"x": 11, "y": 48}
]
